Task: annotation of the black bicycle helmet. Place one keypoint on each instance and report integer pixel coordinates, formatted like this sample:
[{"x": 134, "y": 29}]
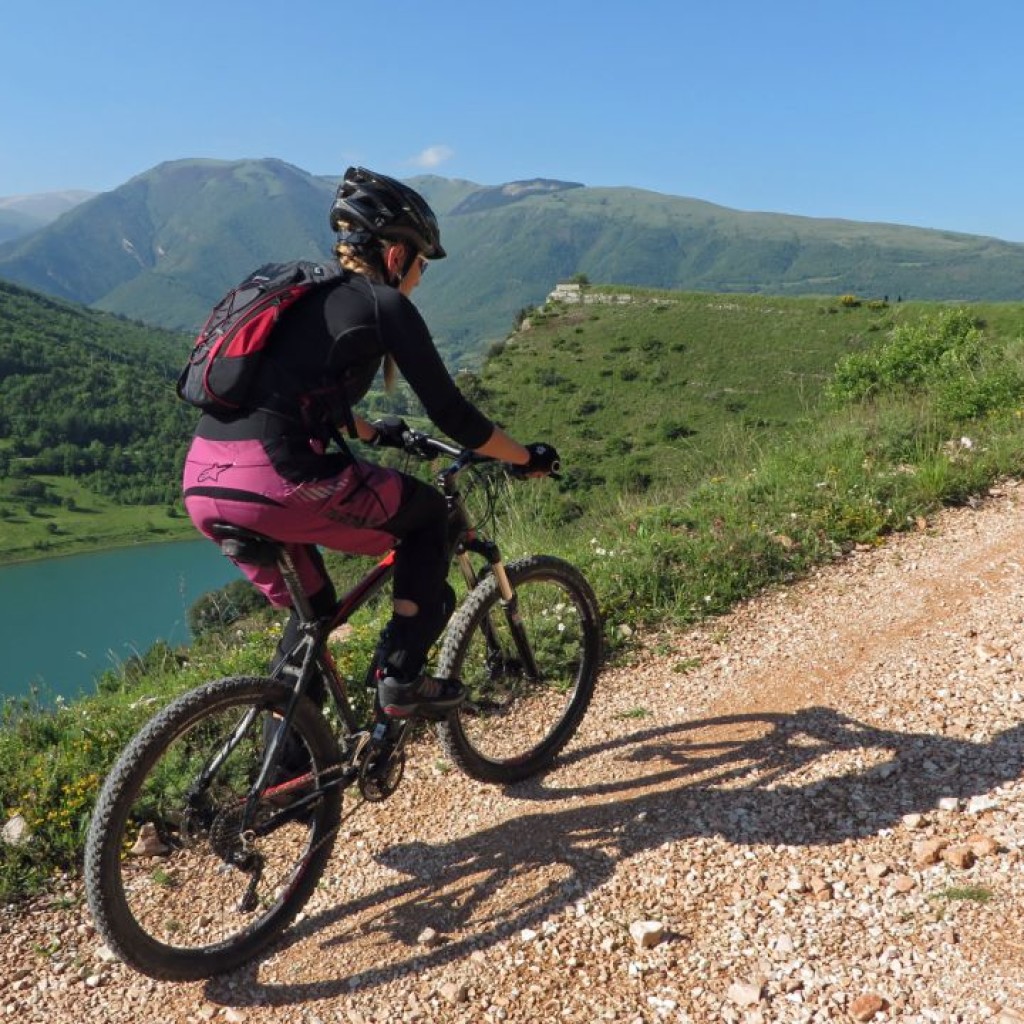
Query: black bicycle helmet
[{"x": 385, "y": 208}]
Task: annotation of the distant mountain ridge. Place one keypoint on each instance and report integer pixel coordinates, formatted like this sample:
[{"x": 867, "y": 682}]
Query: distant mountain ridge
[
  {"x": 165, "y": 245},
  {"x": 45, "y": 206},
  {"x": 21, "y": 215}
]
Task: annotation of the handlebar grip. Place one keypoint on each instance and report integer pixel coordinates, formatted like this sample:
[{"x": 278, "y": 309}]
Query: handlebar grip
[{"x": 523, "y": 473}]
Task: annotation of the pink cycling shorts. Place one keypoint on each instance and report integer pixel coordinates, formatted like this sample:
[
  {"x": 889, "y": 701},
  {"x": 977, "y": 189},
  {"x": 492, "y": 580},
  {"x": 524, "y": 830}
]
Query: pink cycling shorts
[{"x": 235, "y": 482}]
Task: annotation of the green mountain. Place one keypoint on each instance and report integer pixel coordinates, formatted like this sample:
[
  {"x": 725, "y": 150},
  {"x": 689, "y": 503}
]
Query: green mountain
[{"x": 164, "y": 246}]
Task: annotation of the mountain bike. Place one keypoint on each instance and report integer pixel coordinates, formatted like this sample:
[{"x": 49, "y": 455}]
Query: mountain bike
[{"x": 218, "y": 819}]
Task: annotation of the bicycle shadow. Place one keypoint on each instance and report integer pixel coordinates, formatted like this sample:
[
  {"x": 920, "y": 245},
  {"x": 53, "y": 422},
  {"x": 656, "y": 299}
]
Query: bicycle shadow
[{"x": 775, "y": 779}]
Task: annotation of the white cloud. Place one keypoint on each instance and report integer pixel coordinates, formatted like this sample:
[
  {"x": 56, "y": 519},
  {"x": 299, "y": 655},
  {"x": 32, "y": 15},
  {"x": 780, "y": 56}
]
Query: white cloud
[{"x": 432, "y": 156}]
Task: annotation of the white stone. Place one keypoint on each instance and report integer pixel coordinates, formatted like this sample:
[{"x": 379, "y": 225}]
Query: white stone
[
  {"x": 744, "y": 993},
  {"x": 16, "y": 832},
  {"x": 148, "y": 843},
  {"x": 454, "y": 993},
  {"x": 980, "y": 804},
  {"x": 647, "y": 934}
]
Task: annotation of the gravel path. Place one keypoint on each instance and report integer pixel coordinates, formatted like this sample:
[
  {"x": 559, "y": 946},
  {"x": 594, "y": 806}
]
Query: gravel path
[{"x": 809, "y": 810}]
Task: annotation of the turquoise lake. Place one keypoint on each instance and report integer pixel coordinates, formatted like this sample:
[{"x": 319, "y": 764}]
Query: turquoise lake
[{"x": 67, "y": 620}]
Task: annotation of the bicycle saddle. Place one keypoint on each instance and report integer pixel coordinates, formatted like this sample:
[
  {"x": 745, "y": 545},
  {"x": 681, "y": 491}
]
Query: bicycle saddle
[{"x": 242, "y": 545}]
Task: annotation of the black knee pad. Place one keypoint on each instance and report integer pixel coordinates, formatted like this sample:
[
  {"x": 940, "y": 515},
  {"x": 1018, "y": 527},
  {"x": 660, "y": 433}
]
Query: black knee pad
[{"x": 406, "y": 639}]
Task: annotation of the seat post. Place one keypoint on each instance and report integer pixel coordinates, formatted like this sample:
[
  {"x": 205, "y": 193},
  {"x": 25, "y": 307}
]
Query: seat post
[
  {"x": 300, "y": 599},
  {"x": 247, "y": 547}
]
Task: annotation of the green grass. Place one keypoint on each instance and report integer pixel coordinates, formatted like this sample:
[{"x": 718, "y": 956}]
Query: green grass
[
  {"x": 670, "y": 387},
  {"x": 636, "y": 713},
  {"x": 970, "y": 893},
  {"x": 793, "y": 470},
  {"x": 68, "y": 519}
]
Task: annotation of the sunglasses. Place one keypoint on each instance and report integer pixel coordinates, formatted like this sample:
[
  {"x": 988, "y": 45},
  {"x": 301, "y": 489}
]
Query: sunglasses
[{"x": 424, "y": 263}]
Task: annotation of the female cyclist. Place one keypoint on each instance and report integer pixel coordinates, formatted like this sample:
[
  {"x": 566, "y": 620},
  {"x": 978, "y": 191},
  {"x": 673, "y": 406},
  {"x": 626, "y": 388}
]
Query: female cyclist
[{"x": 271, "y": 467}]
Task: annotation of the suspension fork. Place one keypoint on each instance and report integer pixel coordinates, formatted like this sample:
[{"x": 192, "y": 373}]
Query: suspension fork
[{"x": 509, "y": 601}]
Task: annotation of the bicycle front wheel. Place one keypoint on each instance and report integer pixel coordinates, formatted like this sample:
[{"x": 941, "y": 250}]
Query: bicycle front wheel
[
  {"x": 188, "y": 875},
  {"x": 529, "y": 665}
]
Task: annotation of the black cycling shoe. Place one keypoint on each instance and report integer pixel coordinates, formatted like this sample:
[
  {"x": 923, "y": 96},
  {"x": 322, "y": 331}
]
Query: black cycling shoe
[{"x": 425, "y": 696}]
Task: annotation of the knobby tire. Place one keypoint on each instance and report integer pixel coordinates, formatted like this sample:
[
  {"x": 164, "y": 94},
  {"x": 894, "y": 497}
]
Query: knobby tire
[
  {"x": 515, "y": 722},
  {"x": 179, "y": 913}
]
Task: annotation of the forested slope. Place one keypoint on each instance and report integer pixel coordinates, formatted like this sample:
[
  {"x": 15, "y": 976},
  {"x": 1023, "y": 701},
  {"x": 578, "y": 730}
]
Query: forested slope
[{"x": 88, "y": 395}]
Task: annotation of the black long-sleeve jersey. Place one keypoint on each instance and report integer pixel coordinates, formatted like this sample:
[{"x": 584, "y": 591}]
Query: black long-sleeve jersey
[{"x": 325, "y": 353}]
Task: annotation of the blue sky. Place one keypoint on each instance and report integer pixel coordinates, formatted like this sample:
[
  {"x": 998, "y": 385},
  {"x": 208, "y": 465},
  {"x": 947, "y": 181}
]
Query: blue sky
[{"x": 904, "y": 111}]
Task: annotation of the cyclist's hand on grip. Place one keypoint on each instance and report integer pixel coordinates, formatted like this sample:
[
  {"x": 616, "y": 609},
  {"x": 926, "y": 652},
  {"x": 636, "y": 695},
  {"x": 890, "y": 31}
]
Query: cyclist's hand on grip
[
  {"x": 391, "y": 432},
  {"x": 544, "y": 461}
]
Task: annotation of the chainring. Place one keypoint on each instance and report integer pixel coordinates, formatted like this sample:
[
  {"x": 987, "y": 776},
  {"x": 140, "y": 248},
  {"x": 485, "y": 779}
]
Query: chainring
[{"x": 380, "y": 773}]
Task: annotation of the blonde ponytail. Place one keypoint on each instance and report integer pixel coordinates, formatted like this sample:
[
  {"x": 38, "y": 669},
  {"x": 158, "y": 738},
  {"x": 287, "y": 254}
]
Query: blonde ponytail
[{"x": 355, "y": 260}]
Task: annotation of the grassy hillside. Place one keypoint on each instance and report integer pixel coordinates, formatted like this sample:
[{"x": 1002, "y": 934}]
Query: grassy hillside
[
  {"x": 665, "y": 389},
  {"x": 718, "y": 443}
]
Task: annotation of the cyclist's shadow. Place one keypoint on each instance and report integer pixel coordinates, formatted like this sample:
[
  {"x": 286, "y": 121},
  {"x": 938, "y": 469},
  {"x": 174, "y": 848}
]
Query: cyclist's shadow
[{"x": 776, "y": 779}]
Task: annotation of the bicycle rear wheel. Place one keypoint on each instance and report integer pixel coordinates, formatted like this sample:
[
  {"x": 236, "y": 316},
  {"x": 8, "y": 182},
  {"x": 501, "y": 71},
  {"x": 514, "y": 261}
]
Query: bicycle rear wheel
[
  {"x": 530, "y": 669},
  {"x": 184, "y": 876}
]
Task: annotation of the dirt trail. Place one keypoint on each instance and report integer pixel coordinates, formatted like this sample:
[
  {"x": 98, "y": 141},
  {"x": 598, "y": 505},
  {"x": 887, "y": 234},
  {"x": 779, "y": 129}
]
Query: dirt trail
[{"x": 817, "y": 799}]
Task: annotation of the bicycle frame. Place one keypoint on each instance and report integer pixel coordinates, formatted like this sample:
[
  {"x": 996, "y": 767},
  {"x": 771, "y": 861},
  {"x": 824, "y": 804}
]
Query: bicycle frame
[
  {"x": 312, "y": 655},
  {"x": 463, "y": 541}
]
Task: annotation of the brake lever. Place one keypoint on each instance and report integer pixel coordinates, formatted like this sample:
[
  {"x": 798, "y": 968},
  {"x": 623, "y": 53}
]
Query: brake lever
[{"x": 415, "y": 443}]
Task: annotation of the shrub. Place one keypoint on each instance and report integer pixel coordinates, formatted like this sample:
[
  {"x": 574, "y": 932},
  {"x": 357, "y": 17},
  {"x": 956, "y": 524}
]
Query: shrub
[
  {"x": 219, "y": 608},
  {"x": 931, "y": 350},
  {"x": 673, "y": 430}
]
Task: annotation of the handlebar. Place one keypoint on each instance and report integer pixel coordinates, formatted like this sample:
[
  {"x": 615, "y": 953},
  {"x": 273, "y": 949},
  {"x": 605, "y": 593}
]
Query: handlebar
[{"x": 426, "y": 447}]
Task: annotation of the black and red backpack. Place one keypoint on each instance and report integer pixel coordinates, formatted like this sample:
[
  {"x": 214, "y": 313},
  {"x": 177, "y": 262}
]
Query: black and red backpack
[{"x": 227, "y": 353}]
